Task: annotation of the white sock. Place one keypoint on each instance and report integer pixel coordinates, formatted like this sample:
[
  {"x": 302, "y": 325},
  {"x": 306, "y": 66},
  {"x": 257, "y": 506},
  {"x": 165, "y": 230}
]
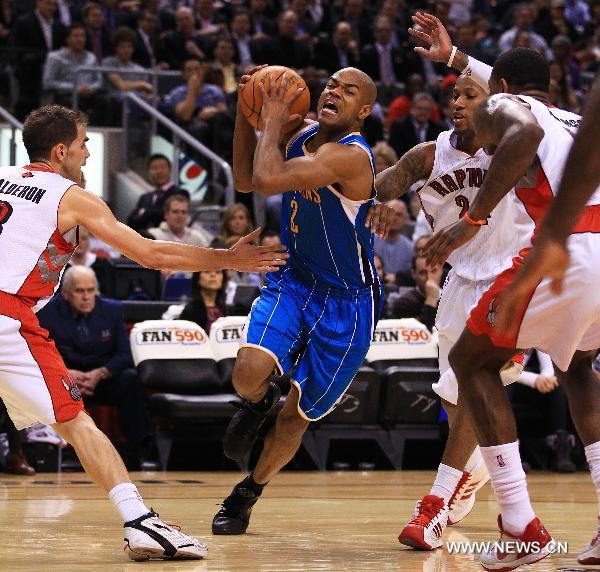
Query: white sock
[
  {"x": 510, "y": 486},
  {"x": 445, "y": 482},
  {"x": 592, "y": 454},
  {"x": 128, "y": 501},
  {"x": 474, "y": 460}
]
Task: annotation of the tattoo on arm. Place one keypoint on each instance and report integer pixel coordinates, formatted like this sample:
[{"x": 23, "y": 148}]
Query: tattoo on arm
[{"x": 413, "y": 166}]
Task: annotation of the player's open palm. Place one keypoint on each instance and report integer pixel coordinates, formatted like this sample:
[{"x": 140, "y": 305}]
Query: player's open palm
[
  {"x": 250, "y": 258},
  {"x": 433, "y": 35},
  {"x": 277, "y": 101}
]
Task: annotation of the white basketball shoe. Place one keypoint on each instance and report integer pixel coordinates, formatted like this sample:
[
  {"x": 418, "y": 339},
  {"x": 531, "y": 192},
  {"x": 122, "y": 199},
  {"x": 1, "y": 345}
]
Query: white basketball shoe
[
  {"x": 148, "y": 537},
  {"x": 462, "y": 501},
  {"x": 591, "y": 553},
  {"x": 425, "y": 529}
]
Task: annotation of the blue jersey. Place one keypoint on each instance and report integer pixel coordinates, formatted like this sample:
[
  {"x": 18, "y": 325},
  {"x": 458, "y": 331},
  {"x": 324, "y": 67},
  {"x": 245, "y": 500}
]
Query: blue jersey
[{"x": 324, "y": 231}]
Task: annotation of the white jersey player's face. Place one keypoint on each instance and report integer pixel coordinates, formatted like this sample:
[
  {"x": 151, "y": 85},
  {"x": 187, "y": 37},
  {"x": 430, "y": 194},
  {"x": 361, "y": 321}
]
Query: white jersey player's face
[
  {"x": 466, "y": 97},
  {"x": 76, "y": 156}
]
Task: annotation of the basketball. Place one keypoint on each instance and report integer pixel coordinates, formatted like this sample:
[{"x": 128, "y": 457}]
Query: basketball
[{"x": 251, "y": 97}]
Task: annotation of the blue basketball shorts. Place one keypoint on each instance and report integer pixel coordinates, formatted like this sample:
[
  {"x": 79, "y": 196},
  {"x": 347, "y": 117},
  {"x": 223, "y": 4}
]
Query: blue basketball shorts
[{"x": 324, "y": 332}]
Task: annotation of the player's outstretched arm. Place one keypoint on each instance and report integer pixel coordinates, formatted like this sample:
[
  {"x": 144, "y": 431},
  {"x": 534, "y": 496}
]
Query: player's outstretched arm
[
  {"x": 414, "y": 165},
  {"x": 81, "y": 207},
  {"x": 244, "y": 142},
  {"x": 508, "y": 129}
]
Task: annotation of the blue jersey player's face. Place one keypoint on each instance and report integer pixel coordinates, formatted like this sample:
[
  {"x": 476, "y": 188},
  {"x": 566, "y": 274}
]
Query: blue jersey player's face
[{"x": 341, "y": 101}]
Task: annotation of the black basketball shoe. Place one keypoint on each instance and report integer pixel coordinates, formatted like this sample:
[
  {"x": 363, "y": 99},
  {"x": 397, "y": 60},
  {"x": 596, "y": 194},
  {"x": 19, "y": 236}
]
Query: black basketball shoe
[
  {"x": 234, "y": 516},
  {"x": 245, "y": 424}
]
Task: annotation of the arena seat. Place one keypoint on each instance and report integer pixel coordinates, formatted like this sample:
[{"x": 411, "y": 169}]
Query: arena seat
[
  {"x": 403, "y": 342},
  {"x": 175, "y": 356},
  {"x": 360, "y": 404},
  {"x": 225, "y": 336}
]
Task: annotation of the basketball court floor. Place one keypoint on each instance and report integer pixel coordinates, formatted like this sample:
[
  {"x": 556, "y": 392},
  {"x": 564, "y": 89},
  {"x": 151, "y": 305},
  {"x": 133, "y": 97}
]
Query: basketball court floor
[{"x": 305, "y": 521}]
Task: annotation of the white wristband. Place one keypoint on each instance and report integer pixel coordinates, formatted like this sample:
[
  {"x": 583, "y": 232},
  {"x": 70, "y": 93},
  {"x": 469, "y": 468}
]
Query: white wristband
[{"x": 451, "y": 58}]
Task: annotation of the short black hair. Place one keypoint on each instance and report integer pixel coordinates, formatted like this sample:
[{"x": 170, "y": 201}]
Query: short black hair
[
  {"x": 157, "y": 156},
  {"x": 523, "y": 69},
  {"x": 48, "y": 126}
]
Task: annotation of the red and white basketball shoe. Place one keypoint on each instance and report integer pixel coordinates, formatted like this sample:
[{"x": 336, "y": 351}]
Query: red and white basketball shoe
[
  {"x": 591, "y": 553},
  {"x": 511, "y": 551},
  {"x": 462, "y": 501},
  {"x": 425, "y": 529}
]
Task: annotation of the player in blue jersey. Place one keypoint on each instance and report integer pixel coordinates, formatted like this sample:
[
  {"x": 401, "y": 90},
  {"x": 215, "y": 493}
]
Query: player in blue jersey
[{"x": 317, "y": 317}]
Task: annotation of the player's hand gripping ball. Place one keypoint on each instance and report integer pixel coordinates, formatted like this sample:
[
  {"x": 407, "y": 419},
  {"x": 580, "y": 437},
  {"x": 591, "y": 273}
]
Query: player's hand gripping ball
[{"x": 250, "y": 102}]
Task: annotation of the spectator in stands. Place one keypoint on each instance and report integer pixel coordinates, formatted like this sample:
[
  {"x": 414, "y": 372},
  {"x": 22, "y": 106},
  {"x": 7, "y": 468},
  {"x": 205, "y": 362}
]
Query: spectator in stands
[
  {"x": 262, "y": 24},
  {"x": 149, "y": 212},
  {"x": 223, "y": 54},
  {"x": 123, "y": 42},
  {"x": 384, "y": 156},
  {"x": 90, "y": 335},
  {"x": 201, "y": 108},
  {"x": 485, "y": 41},
  {"x": 243, "y": 44},
  {"x": 208, "y": 298},
  {"x": 538, "y": 389},
  {"x": 422, "y": 301},
  {"x": 466, "y": 41},
  {"x": 396, "y": 12},
  {"x": 185, "y": 42},
  {"x": 551, "y": 22},
  {"x": 236, "y": 222},
  {"x": 268, "y": 237},
  {"x": 523, "y": 22},
  {"x": 562, "y": 49},
  {"x": 83, "y": 256},
  {"x": 341, "y": 51},
  {"x": 146, "y": 52},
  {"x": 358, "y": 17},
  {"x": 7, "y": 16},
  {"x": 307, "y": 29},
  {"x": 175, "y": 225},
  {"x": 382, "y": 61},
  {"x": 97, "y": 36},
  {"x": 62, "y": 71},
  {"x": 560, "y": 94},
  {"x": 284, "y": 49},
  {"x": 577, "y": 13},
  {"x": 69, "y": 11},
  {"x": 396, "y": 251},
  {"x": 35, "y": 34},
  {"x": 210, "y": 21},
  {"x": 400, "y": 106},
  {"x": 417, "y": 127}
]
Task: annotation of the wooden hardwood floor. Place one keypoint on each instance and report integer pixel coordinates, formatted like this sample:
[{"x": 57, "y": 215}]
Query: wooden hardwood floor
[{"x": 304, "y": 521}]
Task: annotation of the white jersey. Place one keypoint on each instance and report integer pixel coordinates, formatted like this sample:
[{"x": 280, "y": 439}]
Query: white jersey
[
  {"x": 543, "y": 182},
  {"x": 33, "y": 252},
  {"x": 446, "y": 196}
]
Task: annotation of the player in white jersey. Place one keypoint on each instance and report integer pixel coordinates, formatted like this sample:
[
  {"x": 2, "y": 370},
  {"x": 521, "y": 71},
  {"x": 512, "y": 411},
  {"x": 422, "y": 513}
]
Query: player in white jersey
[
  {"x": 454, "y": 167},
  {"x": 528, "y": 136},
  {"x": 41, "y": 208}
]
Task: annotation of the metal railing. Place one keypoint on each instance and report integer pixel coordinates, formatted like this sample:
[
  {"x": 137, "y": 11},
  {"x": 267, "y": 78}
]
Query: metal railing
[
  {"x": 153, "y": 74},
  {"x": 14, "y": 125},
  {"x": 179, "y": 135}
]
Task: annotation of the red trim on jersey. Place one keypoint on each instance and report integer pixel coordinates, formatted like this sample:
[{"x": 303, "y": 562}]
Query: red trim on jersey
[
  {"x": 44, "y": 352},
  {"x": 481, "y": 320},
  {"x": 43, "y": 168},
  {"x": 41, "y": 285},
  {"x": 536, "y": 199}
]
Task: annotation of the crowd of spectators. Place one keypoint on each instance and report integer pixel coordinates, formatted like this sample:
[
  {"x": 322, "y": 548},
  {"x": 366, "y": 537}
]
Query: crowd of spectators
[{"x": 45, "y": 43}]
